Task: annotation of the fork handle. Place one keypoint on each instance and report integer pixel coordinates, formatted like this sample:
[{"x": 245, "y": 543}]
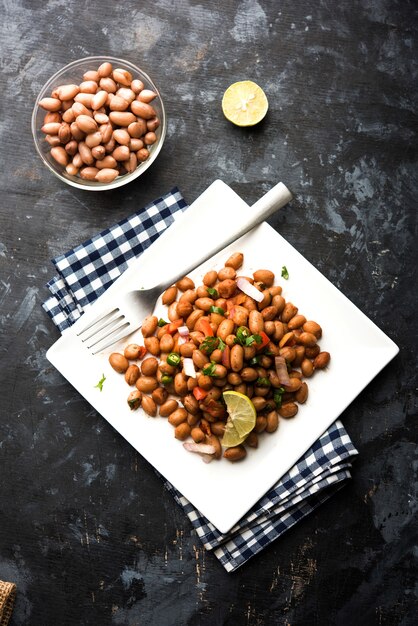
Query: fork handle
[{"x": 274, "y": 199}]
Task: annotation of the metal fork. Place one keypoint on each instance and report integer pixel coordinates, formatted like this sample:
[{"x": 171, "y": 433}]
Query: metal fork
[{"x": 134, "y": 306}]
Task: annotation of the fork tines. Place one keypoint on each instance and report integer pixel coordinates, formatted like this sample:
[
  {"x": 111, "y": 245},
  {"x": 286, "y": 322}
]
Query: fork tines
[{"x": 108, "y": 326}]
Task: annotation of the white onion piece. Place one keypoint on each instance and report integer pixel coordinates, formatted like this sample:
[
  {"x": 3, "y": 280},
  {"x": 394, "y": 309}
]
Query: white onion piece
[
  {"x": 281, "y": 370},
  {"x": 200, "y": 448},
  {"x": 207, "y": 458},
  {"x": 249, "y": 289},
  {"x": 188, "y": 367},
  {"x": 183, "y": 331},
  {"x": 182, "y": 340}
]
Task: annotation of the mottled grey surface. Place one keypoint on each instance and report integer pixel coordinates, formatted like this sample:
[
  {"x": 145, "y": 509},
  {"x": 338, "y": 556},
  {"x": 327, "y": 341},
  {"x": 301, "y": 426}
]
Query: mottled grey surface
[{"x": 87, "y": 531}]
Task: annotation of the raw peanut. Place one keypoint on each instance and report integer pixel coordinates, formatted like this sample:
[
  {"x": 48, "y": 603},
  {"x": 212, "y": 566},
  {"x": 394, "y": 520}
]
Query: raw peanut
[
  {"x": 177, "y": 417},
  {"x": 107, "y": 161},
  {"x": 118, "y": 104},
  {"x": 88, "y": 86},
  {"x": 149, "y": 366},
  {"x": 288, "y": 312},
  {"x": 91, "y": 75},
  {"x": 71, "y": 147},
  {"x": 106, "y": 175},
  {"x": 121, "y": 153},
  {"x": 87, "y": 124},
  {"x": 272, "y": 421},
  {"x": 237, "y": 453},
  {"x": 235, "y": 260},
  {"x": 108, "y": 84},
  {"x": 71, "y": 169},
  {"x": 149, "y": 325},
  {"x": 119, "y": 362},
  {"x": 76, "y": 132},
  {"x": 122, "y": 76},
  {"x": 142, "y": 109},
  {"x": 131, "y": 164},
  {"x": 122, "y": 118},
  {"x": 302, "y": 394},
  {"x": 85, "y": 153},
  {"x": 98, "y": 153},
  {"x": 296, "y": 322},
  {"x": 142, "y": 155},
  {"x": 52, "y": 116},
  {"x": 98, "y": 100},
  {"x": 132, "y": 374},
  {"x": 182, "y": 431},
  {"x": 321, "y": 360},
  {"x": 146, "y": 95},
  {"x": 122, "y": 136},
  {"x": 106, "y": 131},
  {"x": 60, "y": 155},
  {"x": 288, "y": 410},
  {"x": 135, "y": 144},
  {"x": 137, "y": 85},
  {"x": 84, "y": 98},
  {"x": 307, "y": 339},
  {"x": 101, "y": 118},
  {"x": 313, "y": 327},
  {"x": 149, "y": 405},
  {"x": 64, "y": 133},
  {"x": 126, "y": 93},
  {"x": 94, "y": 139},
  {"x": 137, "y": 129},
  {"x": 153, "y": 123},
  {"x": 80, "y": 109},
  {"x": 51, "y": 128},
  {"x": 168, "y": 407},
  {"x": 77, "y": 160},
  {"x": 134, "y": 400},
  {"x": 150, "y": 138},
  {"x": 266, "y": 277},
  {"x": 146, "y": 384},
  {"x": 132, "y": 351},
  {"x": 105, "y": 69},
  {"x": 50, "y": 104},
  {"x": 67, "y": 92},
  {"x": 52, "y": 140}
]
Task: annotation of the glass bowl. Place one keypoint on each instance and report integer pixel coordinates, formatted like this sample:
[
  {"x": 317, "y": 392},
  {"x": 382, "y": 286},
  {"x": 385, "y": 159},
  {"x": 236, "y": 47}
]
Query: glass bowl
[{"x": 73, "y": 74}]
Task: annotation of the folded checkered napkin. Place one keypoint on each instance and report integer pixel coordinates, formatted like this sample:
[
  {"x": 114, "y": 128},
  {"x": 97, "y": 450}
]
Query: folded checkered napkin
[{"x": 84, "y": 273}]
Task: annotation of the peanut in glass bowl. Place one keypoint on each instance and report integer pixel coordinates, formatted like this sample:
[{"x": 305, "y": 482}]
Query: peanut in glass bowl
[{"x": 73, "y": 74}]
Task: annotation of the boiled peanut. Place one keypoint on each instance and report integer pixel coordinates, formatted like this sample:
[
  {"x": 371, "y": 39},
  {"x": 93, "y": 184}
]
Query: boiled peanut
[
  {"x": 132, "y": 374},
  {"x": 149, "y": 366},
  {"x": 288, "y": 410},
  {"x": 149, "y": 325},
  {"x": 182, "y": 431},
  {"x": 168, "y": 407},
  {"x": 134, "y": 399},
  {"x": 236, "y": 453},
  {"x": 159, "y": 395},
  {"x": 149, "y": 405},
  {"x": 119, "y": 362},
  {"x": 235, "y": 260},
  {"x": 177, "y": 417},
  {"x": 322, "y": 360},
  {"x": 266, "y": 277}
]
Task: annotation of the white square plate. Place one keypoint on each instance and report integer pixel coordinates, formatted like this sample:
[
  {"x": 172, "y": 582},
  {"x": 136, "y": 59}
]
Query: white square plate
[{"x": 224, "y": 491}]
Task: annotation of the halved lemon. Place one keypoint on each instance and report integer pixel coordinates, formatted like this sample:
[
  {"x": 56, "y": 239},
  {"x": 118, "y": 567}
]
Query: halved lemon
[
  {"x": 241, "y": 418},
  {"x": 244, "y": 103}
]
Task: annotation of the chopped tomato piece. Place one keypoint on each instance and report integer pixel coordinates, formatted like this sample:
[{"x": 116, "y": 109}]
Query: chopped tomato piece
[
  {"x": 174, "y": 326},
  {"x": 226, "y": 357},
  {"x": 205, "y": 327},
  {"x": 199, "y": 393},
  {"x": 264, "y": 340},
  {"x": 142, "y": 352}
]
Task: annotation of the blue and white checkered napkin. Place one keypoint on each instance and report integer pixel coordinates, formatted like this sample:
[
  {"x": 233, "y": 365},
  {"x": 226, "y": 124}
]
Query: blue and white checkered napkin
[{"x": 84, "y": 273}]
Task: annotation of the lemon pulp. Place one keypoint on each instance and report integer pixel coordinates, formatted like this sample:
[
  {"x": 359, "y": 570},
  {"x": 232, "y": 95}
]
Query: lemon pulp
[
  {"x": 244, "y": 103},
  {"x": 241, "y": 418}
]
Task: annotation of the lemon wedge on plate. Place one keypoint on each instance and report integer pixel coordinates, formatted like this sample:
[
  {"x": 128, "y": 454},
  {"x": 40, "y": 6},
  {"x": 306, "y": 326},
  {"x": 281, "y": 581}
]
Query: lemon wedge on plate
[
  {"x": 244, "y": 103},
  {"x": 241, "y": 418}
]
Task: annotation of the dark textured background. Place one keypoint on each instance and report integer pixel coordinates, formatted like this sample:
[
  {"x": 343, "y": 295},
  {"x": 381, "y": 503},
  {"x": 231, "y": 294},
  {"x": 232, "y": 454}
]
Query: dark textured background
[{"x": 87, "y": 530}]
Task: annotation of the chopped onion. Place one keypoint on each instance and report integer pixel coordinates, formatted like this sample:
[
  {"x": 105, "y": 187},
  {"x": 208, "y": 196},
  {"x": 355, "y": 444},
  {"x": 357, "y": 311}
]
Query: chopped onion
[
  {"x": 249, "y": 289},
  {"x": 281, "y": 370},
  {"x": 182, "y": 340},
  {"x": 188, "y": 367},
  {"x": 183, "y": 331},
  {"x": 200, "y": 448},
  {"x": 207, "y": 458}
]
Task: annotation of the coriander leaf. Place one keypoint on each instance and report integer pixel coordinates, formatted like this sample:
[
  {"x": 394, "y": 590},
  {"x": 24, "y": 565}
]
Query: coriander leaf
[
  {"x": 209, "y": 369},
  {"x": 285, "y": 273},
  {"x": 221, "y": 344},
  {"x": 100, "y": 383}
]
